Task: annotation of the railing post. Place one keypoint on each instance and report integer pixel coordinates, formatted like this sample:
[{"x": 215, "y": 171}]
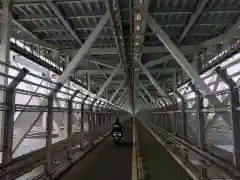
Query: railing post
[
  {"x": 97, "y": 119},
  {"x": 49, "y": 128},
  {"x": 201, "y": 125},
  {"x": 91, "y": 122},
  {"x": 234, "y": 113},
  {"x": 82, "y": 113},
  {"x": 8, "y": 119},
  {"x": 69, "y": 124},
  {"x": 184, "y": 123}
]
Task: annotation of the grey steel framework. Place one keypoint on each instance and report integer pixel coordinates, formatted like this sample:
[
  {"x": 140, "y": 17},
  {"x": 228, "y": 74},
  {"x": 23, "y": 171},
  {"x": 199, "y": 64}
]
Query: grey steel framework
[
  {"x": 200, "y": 30},
  {"x": 106, "y": 58}
]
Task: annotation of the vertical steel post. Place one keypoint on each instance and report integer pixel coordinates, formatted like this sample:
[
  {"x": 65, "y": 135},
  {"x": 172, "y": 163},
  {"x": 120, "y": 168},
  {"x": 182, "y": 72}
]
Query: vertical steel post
[
  {"x": 201, "y": 125},
  {"x": 82, "y": 113},
  {"x": 91, "y": 122},
  {"x": 8, "y": 119},
  {"x": 6, "y": 31},
  {"x": 89, "y": 82},
  {"x": 69, "y": 124},
  {"x": 234, "y": 113},
  {"x": 184, "y": 123},
  {"x": 49, "y": 128}
]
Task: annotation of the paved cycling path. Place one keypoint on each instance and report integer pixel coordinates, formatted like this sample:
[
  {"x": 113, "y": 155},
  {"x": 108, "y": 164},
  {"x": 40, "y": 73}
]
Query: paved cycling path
[
  {"x": 157, "y": 162},
  {"x": 114, "y": 162},
  {"x": 107, "y": 161}
]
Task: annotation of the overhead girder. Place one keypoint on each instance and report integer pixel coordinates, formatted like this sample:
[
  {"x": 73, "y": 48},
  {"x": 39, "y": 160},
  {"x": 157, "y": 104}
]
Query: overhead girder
[
  {"x": 117, "y": 90},
  {"x": 192, "y": 19},
  {"x": 153, "y": 81},
  {"x": 188, "y": 49},
  {"x": 109, "y": 79},
  {"x": 25, "y": 126},
  {"x": 144, "y": 99},
  {"x": 64, "y": 21},
  {"x": 121, "y": 71},
  {"x": 178, "y": 56},
  {"x": 229, "y": 33},
  {"x": 148, "y": 94}
]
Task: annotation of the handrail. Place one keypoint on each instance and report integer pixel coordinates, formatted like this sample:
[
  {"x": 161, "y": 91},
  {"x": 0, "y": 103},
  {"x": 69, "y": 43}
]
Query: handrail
[{"x": 207, "y": 156}]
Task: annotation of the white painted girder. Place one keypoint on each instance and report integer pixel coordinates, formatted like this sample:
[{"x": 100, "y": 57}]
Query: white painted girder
[
  {"x": 109, "y": 79},
  {"x": 233, "y": 32},
  {"x": 116, "y": 92},
  {"x": 193, "y": 18},
  {"x": 145, "y": 50},
  {"x": 27, "y": 120},
  {"x": 178, "y": 56},
  {"x": 153, "y": 81},
  {"x": 55, "y": 9}
]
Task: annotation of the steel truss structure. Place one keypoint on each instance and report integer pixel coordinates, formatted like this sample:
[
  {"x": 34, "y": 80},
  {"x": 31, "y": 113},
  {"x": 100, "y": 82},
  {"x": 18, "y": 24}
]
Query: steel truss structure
[{"x": 68, "y": 68}]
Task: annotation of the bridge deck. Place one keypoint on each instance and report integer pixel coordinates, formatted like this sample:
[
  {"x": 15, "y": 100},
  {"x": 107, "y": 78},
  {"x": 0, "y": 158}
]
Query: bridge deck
[
  {"x": 157, "y": 162},
  {"x": 107, "y": 161},
  {"x": 111, "y": 162}
]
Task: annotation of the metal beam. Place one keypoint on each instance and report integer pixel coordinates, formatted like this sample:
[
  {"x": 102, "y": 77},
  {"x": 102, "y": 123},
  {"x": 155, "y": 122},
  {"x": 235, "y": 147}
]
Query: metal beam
[
  {"x": 233, "y": 32},
  {"x": 89, "y": 82},
  {"x": 84, "y": 48},
  {"x": 33, "y": 38},
  {"x": 109, "y": 79},
  {"x": 64, "y": 21},
  {"x": 120, "y": 71},
  {"x": 27, "y": 2},
  {"x": 144, "y": 99},
  {"x": 176, "y": 53},
  {"x": 95, "y": 61},
  {"x": 121, "y": 96},
  {"x": 118, "y": 89},
  {"x": 148, "y": 94},
  {"x": 23, "y": 126},
  {"x": 192, "y": 19},
  {"x": 153, "y": 81},
  {"x": 145, "y": 50}
]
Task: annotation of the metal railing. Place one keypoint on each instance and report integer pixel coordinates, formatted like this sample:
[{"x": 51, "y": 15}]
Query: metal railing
[
  {"x": 66, "y": 130},
  {"x": 197, "y": 131}
]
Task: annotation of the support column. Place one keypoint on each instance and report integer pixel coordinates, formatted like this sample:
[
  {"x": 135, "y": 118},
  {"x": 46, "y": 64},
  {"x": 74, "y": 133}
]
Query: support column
[
  {"x": 70, "y": 123},
  {"x": 49, "y": 129},
  {"x": 66, "y": 119},
  {"x": 89, "y": 82},
  {"x": 106, "y": 93},
  {"x": 4, "y": 56},
  {"x": 8, "y": 119},
  {"x": 234, "y": 113},
  {"x": 201, "y": 125},
  {"x": 184, "y": 123}
]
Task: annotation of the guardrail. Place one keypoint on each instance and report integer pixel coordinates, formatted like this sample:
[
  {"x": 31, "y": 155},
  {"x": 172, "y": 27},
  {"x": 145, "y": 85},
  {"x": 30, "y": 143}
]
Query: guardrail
[
  {"x": 26, "y": 163},
  {"x": 78, "y": 109},
  {"x": 176, "y": 145}
]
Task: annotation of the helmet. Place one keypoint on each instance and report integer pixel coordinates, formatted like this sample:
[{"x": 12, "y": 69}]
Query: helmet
[{"x": 117, "y": 120}]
